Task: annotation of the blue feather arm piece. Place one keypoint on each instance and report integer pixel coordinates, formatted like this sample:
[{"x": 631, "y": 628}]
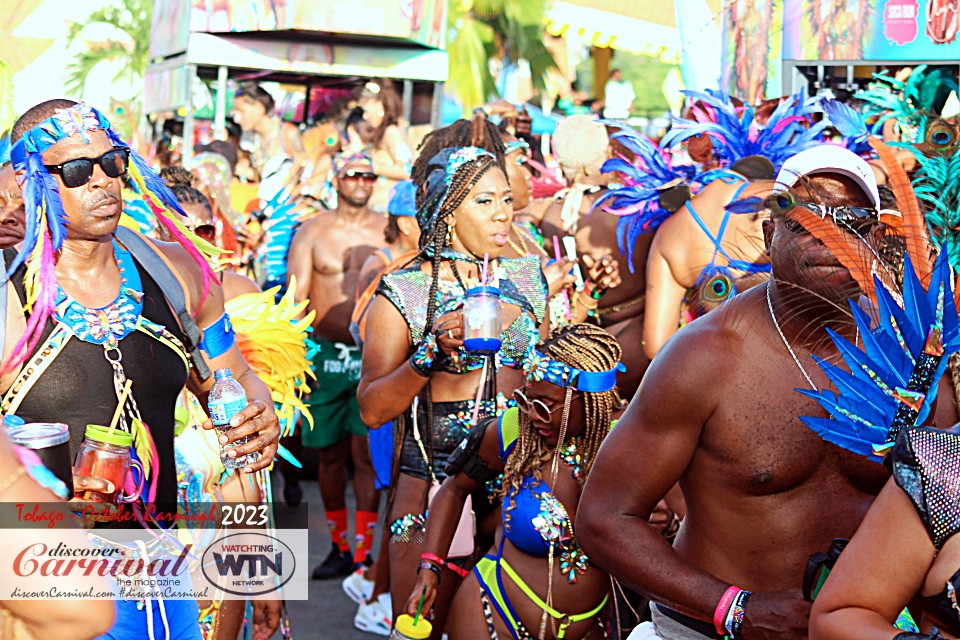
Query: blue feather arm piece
[
  {"x": 891, "y": 383},
  {"x": 637, "y": 202}
]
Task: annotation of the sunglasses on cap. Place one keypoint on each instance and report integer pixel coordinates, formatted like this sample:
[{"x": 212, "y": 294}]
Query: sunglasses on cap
[
  {"x": 858, "y": 220},
  {"x": 536, "y": 409},
  {"x": 353, "y": 174},
  {"x": 77, "y": 172}
]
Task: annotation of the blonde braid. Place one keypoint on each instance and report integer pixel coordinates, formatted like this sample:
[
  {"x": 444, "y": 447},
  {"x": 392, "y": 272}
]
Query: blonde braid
[{"x": 586, "y": 347}]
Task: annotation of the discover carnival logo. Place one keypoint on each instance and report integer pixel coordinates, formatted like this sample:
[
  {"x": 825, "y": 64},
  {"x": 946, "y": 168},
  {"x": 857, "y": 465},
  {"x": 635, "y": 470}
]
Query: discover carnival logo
[
  {"x": 244, "y": 564},
  {"x": 249, "y": 563}
]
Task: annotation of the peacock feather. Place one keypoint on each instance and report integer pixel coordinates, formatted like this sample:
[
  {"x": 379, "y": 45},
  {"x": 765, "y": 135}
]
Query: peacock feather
[{"x": 937, "y": 184}]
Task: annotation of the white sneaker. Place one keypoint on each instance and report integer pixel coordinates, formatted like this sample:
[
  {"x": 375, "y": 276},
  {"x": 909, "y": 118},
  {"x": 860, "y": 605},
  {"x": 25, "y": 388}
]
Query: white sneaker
[
  {"x": 358, "y": 588},
  {"x": 372, "y": 618}
]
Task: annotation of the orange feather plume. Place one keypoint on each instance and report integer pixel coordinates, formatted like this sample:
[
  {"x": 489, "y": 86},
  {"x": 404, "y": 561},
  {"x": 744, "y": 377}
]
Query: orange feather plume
[
  {"x": 913, "y": 226},
  {"x": 847, "y": 248}
]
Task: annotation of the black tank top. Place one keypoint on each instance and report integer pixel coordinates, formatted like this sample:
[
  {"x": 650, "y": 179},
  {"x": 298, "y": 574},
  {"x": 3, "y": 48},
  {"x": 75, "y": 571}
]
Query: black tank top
[{"x": 77, "y": 388}]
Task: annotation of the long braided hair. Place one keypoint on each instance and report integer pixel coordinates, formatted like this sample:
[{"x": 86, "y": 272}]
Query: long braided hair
[
  {"x": 588, "y": 348},
  {"x": 433, "y": 210}
]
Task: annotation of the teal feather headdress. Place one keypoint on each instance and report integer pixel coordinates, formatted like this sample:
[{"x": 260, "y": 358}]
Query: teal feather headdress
[{"x": 911, "y": 103}]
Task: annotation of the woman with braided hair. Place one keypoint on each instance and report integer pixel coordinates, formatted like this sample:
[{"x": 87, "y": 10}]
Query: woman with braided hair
[
  {"x": 414, "y": 363},
  {"x": 537, "y": 582}
]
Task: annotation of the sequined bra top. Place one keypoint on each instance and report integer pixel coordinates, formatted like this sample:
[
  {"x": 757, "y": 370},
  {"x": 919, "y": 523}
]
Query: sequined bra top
[
  {"x": 926, "y": 465},
  {"x": 521, "y": 284}
]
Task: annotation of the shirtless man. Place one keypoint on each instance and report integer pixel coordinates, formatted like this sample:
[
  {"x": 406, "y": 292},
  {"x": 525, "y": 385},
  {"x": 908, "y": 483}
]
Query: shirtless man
[
  {"x": 11, "y": 208},
  {"x": 581, "y": 145},
  {"x": 684, "y": 256},
  {"x": 718, "y": 412},
  {"x": 325, "y": 257}
]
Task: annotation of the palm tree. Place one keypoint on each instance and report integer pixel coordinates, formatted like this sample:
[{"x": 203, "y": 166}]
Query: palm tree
[
  {"x": 506, "y": 30},
  {"x": 131, "y": 22}
]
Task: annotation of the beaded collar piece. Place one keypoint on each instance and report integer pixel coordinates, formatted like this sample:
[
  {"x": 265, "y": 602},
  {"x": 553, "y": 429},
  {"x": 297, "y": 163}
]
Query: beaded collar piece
[{"x": 112, "y": 323}]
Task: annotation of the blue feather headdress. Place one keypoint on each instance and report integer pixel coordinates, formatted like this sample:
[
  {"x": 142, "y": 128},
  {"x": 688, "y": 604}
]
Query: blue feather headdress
[
  {"x": 891, "y": 383},
  {"x": 910, "y": 103},
  {"x": 851, "y": 124},
  {"x": 637, "y": 202},
  {"x": 46, "y": 222},
  {"x": 736, "y": 134}
]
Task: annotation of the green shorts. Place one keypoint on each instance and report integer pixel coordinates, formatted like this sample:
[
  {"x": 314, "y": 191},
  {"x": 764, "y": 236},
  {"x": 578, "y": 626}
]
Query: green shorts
[{"x": 333, "y": 404}]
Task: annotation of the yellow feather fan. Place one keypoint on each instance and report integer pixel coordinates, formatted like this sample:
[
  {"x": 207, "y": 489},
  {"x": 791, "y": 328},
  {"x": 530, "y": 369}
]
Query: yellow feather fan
[{"x": 273, "y": 342}]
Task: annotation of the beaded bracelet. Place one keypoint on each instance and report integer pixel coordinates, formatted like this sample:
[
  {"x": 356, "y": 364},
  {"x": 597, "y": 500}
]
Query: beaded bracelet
[
  {"x": 734, "y": 619},
  {"x": 422, "y": 359},
  {"x": 432, "y": 557},
  {"x": 429, "y": 566}
]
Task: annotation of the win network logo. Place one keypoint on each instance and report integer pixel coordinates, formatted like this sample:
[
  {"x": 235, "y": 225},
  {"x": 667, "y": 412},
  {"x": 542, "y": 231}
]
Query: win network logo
[{"x": 249, "y": 564}]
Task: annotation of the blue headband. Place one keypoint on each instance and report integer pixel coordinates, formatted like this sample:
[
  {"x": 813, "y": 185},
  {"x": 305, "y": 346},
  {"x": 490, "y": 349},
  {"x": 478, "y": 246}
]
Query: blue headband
[
  {"x": 512, "y": 146},
  {"x": 444, "y": 167},
  {"x": 541, "y": 367},
  {"x": 403, "y": 200}
]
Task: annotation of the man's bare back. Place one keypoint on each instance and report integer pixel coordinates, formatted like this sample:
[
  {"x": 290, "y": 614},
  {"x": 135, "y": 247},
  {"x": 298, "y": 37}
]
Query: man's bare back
[
  {"x": 331, "y": 251},
  {"x": 681, "y": 251},
  {"x": 597, "y": 237}
]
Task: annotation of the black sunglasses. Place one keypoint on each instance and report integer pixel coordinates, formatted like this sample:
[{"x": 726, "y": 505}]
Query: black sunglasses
[
  {"x": 366, "y": 176},
  {"x": 77, "y": 172},
  {"x": 204, "y": 231}
]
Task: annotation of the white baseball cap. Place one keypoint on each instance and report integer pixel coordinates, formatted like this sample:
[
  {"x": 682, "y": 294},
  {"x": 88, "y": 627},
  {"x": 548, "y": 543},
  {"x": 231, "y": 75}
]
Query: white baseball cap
[{"x": 828, "y": 158}]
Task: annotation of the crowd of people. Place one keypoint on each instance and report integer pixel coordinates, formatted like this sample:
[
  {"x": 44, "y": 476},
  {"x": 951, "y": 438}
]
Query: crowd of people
[{"x": 718, "y": 399}]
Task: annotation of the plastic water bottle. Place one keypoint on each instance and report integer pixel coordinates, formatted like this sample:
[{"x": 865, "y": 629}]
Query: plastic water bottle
[{"x": 227, "y": 398}]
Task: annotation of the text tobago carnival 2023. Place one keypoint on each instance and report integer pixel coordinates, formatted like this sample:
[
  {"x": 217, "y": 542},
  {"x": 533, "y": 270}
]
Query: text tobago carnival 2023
[{"x": 103, "y": 514}]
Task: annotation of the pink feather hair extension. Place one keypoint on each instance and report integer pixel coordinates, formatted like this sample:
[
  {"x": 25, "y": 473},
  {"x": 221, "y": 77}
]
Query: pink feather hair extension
[{"x": 43, "y": 307}]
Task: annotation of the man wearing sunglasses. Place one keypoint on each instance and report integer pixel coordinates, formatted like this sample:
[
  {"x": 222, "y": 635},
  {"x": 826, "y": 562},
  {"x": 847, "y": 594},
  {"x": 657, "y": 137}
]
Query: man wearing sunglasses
[
  {"x": 718, "y": 412},
  {"x": 326, "y": 257},
  {"x": 11, "y": 208},
  {"x": 115, "y": 322}
]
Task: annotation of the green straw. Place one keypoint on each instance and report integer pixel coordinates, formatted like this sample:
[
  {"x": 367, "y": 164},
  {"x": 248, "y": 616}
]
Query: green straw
[{"x": 423, "y": 595}]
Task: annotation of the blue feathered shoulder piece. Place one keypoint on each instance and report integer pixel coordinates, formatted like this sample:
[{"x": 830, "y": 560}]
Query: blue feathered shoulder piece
[
  {"x": 736, "y": 133},
  {"x": 281, "y": 223},
  {"x": 891, "y": 383},
  {"x": 637, "y": 202}
]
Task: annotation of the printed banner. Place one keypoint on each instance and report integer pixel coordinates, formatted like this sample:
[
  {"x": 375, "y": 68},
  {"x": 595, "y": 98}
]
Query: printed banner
[
  {"x": 420, "y": 21},
  {"x": 752, "y": 49},
  {"x": 871, "y": 30}
]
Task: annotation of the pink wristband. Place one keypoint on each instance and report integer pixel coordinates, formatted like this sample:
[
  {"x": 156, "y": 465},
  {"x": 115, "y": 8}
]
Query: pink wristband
[{"x": 720, "y": 614}]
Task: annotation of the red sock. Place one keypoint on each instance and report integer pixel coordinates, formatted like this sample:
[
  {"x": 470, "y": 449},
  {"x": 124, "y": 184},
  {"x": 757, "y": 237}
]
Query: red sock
[
  {"x": 366, "y": 526},
  {"x": 337, "y": 523}
]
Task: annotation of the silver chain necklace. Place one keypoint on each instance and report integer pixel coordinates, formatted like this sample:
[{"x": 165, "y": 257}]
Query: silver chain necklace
[{"x": 776, "y": 324}]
